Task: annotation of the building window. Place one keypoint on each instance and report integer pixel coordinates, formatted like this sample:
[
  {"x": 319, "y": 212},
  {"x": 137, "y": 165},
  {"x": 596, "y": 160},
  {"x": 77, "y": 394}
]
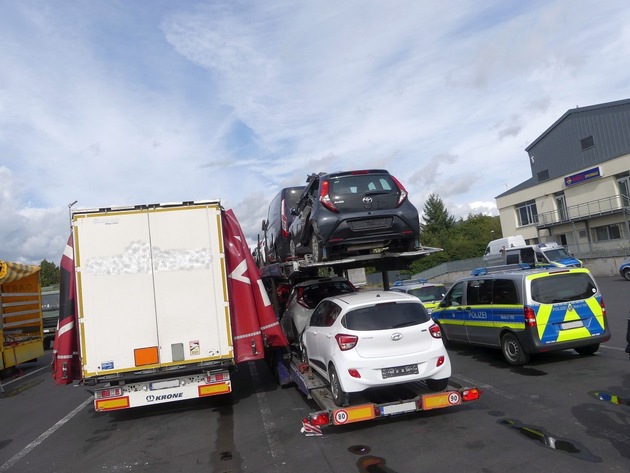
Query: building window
[
  {"x": 587, "y": 143},
  {"x": 543, "y": 175},
  {"x": 607, "y": 232},
  {"x": 527, "y": 213},
  {"x": 623, "y": 181}
]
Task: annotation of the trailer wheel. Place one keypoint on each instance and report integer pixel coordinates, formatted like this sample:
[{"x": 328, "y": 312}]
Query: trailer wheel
[
  {"x": 340, "y": 398},
  {"x": 513, "y": 350}
]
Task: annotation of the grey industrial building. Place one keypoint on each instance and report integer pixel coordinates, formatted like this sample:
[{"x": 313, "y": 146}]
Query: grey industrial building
[{"x": 579, "y": 192}]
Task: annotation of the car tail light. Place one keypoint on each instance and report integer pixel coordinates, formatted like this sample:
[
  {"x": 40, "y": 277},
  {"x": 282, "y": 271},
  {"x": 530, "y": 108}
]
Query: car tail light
[
  {"x": 346, "y": 342},
  {"x": 300, "y": 298},
  {"x": 440, "y": 361},
  {"x": 603, "y": 306},
  {"x": 435, "y": 331},
  {"x": 354, "y": 373},
  {"x": 324, "y": 197},
  {"x": 530, "y": 317},
  {"x": 471, "y": 394},
  {"x": 283, "y": 218},
  {"x": 403, "y": 192}
]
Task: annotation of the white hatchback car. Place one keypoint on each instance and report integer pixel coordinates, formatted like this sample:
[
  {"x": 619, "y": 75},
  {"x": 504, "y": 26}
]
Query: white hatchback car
[{"x": 374, "y": 338}]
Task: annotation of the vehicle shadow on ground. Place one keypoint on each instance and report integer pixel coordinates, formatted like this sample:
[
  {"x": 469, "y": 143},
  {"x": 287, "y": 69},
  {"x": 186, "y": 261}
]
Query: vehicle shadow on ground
[{"x": 534, "y": 367}]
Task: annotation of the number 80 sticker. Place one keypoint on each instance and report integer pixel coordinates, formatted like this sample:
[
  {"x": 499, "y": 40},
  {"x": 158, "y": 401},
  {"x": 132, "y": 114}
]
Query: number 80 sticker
[{"x": 341, "y": 416}]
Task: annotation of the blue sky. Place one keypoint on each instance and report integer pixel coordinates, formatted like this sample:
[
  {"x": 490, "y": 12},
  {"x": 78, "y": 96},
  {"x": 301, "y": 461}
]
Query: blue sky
[{"x": 139, "y": 102}]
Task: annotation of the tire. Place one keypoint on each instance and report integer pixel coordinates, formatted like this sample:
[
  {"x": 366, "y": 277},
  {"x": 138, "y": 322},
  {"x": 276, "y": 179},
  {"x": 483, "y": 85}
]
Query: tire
[
  {"x": 437, "y": 384},
  {"x": 626, "y": 274},
  {"x": 513, "y": 350},
  {"x": 587, "y": 350},
  {"x": 316, "y": 249},
  {"x": 340, "y": 398},
  {"x": 303, "y": 353}
]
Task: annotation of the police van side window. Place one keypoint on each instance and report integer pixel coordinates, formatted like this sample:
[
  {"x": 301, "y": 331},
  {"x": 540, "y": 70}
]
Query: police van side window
[
  {"x": 454, "y": 296},
  {"x": 479, "y": 292},
  {"x": 504, "y": 292}
]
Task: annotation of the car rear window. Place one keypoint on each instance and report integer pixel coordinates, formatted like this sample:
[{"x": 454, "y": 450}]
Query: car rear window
[
  {"x": 384, "y": 316},
  {"x": 428, "y": 294},
  {"x": 313, "y": 294},
  {"x": 362, "y": 184},
  {"x": 562, "y": 287}
]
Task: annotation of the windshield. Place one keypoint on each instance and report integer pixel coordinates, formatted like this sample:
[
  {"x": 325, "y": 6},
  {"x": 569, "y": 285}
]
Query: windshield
[
  {"x": 50, "y": 302},
  {"x": 428, "y": 294},
  {"x": 557, "y": 254}
]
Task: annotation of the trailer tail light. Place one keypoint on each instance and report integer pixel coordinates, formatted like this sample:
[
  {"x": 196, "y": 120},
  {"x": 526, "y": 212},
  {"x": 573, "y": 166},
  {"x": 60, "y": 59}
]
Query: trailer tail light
[
  {"x": 435, "y": 331},
  {"x": 320, "y": 418},
  {"x": 109, "y": 393},
  {"x": 403, "y": 192},
  {"x": 217, "y": 377},
  {"x": 471, "y": 394},
  {"x": 324, "y": 197},
  {"x": 440, "y": 361},
  {"x": 530, "y": 317},
  {"x": 346, "y": 342}
]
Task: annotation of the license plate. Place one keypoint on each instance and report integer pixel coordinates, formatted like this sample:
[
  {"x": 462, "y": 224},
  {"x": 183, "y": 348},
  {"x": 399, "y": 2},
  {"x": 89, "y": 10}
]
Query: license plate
[
  {"x": 399, "y": 371},
  {"x": 572, "y": 324},
  {"x": 371, "y": 224}
]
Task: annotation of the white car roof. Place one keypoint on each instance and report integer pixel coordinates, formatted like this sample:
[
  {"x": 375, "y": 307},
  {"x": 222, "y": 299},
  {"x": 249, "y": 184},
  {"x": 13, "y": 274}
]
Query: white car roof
[{"x": 361, "y": 298}]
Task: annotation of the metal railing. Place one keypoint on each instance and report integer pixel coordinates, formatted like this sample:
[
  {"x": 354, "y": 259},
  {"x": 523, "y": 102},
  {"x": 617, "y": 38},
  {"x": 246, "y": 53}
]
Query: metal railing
[{"x": 594, "y": 208}]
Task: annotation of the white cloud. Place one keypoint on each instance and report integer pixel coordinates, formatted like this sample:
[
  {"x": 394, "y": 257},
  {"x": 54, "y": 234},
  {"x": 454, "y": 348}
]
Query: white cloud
[{"x": 112, "y": 103}]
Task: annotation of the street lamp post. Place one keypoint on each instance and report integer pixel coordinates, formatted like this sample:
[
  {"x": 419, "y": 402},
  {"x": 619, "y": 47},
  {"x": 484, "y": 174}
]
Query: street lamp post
[{"x": 70, "y": 212}]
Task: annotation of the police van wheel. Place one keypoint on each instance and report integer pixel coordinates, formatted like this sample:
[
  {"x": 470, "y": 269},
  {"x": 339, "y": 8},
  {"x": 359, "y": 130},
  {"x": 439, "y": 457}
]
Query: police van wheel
[
  {"x": 626, "y": 274},
  {"x": 513, "y": 351},
  {"x": 587, "y": 350}
]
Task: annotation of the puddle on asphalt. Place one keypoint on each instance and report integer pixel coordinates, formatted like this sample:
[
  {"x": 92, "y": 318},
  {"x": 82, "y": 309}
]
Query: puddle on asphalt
[
  {"x": 538, "y": 435},
  {"x": 369, "y": 463},
  {"x": 610, "y": 397}
]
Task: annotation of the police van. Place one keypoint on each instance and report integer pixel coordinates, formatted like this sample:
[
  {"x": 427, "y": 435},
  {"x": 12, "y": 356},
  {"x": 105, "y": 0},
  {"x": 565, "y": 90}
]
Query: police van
[{"x": 525, "y": 311}]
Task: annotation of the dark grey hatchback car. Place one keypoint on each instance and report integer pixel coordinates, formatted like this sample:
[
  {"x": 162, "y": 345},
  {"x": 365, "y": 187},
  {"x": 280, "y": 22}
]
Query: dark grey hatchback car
[{"x": 353, "y": 212}]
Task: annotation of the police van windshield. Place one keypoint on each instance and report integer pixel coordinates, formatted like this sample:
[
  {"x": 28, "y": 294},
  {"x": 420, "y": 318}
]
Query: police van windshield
[
  {"x": 557, "y": 255},
  {"x": 562, "y": 287}
]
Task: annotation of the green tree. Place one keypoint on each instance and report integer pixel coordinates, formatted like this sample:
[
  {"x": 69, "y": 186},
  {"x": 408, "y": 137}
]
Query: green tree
[
  {"x": 436, "y": 218},
  {"x": 49, "y": 273}
]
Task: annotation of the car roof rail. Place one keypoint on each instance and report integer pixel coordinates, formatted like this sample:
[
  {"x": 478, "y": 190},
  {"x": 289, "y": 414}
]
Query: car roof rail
[{"x": 500, "y": 269}]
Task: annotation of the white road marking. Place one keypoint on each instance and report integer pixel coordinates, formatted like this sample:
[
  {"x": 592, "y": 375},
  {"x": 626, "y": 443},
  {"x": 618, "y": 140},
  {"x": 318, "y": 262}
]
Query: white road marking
[
  {"x": 275, "y": 447},
  {"x": 25, "y": 451}
]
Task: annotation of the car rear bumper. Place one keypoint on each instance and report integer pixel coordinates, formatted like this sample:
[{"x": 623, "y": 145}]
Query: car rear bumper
[{"x": 371, "y": 371}]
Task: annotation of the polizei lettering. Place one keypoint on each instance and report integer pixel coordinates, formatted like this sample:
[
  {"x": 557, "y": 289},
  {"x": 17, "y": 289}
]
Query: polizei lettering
[{"x": 165, "y": 397}]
